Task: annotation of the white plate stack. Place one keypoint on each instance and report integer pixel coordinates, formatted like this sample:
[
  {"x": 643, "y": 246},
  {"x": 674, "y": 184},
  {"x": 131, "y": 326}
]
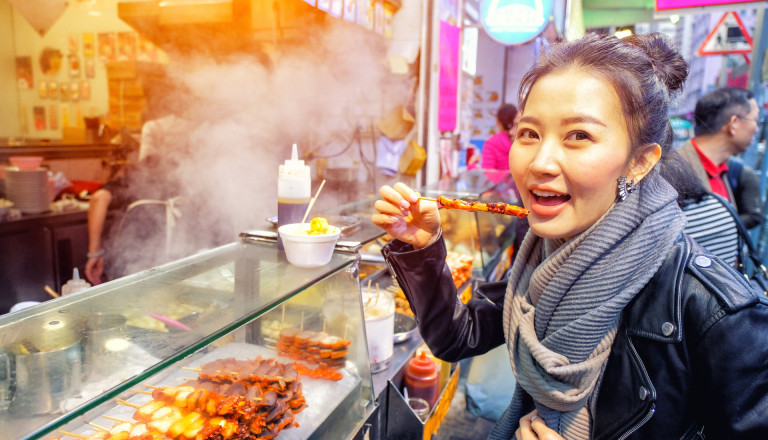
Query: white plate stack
[{"x": 28, "y": 190}]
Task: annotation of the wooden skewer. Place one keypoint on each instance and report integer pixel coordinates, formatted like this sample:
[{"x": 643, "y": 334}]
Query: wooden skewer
[
  {"x": 429, "y": 199},
  {"x": 50, "y": 291},
  {"x": 378, "y": 292},
  {"x": 152, "y": 386},
  {"x": 192, "y": 368},
  {"x": 142, "y": 392},
  {"x": 123, "y": 402},
  {"x": 99, "y": 427},
  {"x": 72, "y": 434},
  {"x": 312, "y": 202},
  {"x": 115, "y": 419}
]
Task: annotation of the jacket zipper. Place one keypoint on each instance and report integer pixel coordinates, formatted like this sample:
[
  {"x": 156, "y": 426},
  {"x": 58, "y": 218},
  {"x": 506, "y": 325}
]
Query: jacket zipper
[{"x": 640, "y": 423}]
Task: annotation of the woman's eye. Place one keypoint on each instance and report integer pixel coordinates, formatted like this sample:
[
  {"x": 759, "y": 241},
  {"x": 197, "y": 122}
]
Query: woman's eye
[
  {"x": 578, "y": 136},
  {"x": 527, "y": 133}
]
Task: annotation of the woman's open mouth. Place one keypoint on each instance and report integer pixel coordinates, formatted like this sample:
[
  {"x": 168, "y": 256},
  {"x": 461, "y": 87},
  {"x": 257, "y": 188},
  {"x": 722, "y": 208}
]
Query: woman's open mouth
[{"x": 548, "y": 203}]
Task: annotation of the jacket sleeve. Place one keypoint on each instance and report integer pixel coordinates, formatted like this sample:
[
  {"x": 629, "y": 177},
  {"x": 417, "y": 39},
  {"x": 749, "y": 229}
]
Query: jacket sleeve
[
  {"x": 731, "y": 369},
  {"x": 748, "y": 198},
  {"x": 452, "y": 330}
]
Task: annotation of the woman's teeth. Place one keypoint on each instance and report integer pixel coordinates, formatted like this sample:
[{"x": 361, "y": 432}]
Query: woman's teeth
[
  {"x": 544, "y": 193},
  {"x": 550, "y": 198}
]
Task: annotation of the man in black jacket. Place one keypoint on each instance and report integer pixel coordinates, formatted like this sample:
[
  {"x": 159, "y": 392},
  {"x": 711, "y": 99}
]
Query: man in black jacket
[{"x": 726, "y": 121}]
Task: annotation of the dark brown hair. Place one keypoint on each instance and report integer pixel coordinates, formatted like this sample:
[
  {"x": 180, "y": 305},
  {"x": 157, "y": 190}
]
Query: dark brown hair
[{"x": 645, "y": 71}]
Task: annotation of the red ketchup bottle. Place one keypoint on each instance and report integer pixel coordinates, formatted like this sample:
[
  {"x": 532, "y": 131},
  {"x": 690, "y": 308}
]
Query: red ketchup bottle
[{"x": 422, "y": 380}]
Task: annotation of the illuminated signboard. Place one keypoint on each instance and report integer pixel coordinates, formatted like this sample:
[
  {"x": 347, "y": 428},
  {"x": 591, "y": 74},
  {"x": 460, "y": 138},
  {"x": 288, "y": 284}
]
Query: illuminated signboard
[
  {"x": 679, "y": 4},
  {"x": 514, "y": 21}
]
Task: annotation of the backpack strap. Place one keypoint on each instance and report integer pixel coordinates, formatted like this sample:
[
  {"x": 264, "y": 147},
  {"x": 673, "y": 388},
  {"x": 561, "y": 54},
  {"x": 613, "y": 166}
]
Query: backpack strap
[{"x": 734, "y": 173}]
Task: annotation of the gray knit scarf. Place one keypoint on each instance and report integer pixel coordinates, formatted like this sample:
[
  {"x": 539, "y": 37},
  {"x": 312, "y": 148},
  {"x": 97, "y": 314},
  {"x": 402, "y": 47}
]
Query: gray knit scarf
[{"x": 564, "y": 300}]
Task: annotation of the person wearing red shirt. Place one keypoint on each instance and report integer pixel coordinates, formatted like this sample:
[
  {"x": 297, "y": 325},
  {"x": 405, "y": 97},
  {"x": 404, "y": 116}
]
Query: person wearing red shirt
[{"x": 726, "y": 121}]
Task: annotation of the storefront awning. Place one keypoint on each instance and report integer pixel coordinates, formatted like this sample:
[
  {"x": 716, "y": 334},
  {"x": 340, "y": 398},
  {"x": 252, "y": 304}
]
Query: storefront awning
[{"x": 607, "y": 13}]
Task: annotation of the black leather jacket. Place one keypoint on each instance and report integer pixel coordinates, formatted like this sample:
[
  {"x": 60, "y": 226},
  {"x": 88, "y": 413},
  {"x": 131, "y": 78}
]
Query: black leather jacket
[{"x": 691, "y": 351}]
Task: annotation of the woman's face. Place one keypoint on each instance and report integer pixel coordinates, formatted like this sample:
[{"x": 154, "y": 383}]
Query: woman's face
[{"x": 571, "y": 147}]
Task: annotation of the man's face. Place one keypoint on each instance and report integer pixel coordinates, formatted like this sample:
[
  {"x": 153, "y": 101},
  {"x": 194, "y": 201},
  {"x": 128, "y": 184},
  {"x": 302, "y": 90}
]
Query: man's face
[{"x": 746, "y": 126}]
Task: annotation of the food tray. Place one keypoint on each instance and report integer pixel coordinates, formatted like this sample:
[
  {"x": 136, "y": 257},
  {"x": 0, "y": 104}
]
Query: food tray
[{"x": 323, "y": 397}]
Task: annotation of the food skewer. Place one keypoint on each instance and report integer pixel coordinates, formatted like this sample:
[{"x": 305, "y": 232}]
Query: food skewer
[
  {"x": 72, "y": 434},
  {"x": 494, "y": 208},
  {"x": 98, "y": 427},
  {"x": 126, "y": 403},
  {"x": 114, "y": 419}
]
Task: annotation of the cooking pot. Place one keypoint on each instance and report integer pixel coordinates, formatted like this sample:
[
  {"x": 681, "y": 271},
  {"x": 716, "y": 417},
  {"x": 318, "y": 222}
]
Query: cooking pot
[{"x": 39, "y": 373}]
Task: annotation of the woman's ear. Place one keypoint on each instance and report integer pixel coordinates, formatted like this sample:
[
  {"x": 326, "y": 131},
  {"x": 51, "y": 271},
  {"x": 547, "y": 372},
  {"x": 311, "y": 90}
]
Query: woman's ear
[{"x": 641, "y": 165}]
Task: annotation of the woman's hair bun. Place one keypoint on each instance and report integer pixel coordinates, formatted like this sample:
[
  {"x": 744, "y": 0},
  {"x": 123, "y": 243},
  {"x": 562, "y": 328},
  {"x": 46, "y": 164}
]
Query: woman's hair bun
[{"x": 667, "y": 62}]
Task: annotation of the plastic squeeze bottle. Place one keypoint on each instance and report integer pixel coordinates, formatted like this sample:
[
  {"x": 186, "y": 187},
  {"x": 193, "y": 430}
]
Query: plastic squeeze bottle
[
  {"x": 75, "y": 284},
  {"x": 294, "y": 191},
  {"x": 422, "y": 380}
]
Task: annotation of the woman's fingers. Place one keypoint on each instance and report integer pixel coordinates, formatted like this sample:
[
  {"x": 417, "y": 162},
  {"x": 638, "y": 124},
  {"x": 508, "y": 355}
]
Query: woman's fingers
[
  {"x": 394, "y": 197},
  {"x": 387, "y": 208},
  {"x": 409, "y": 195}
]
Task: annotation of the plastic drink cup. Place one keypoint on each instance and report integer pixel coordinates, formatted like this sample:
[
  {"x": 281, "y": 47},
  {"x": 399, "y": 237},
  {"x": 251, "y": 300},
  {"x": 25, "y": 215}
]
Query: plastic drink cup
[{"x": 379, "y": 310}]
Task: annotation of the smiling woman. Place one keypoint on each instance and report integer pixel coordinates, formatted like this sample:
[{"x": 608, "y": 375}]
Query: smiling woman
[{"x": 616, "y": 322}]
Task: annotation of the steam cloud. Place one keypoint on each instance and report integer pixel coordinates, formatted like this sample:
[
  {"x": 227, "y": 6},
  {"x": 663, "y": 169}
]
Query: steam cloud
[{"x": 243, "y": 118}]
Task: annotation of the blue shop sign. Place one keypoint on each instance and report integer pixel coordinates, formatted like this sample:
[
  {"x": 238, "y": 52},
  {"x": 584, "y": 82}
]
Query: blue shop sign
[{"x": 515, "y": 21}]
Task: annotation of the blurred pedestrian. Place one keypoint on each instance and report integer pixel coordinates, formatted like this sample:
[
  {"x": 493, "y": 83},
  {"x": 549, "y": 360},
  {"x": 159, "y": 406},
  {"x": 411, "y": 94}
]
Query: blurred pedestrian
[{"x": 726, "y": 121}]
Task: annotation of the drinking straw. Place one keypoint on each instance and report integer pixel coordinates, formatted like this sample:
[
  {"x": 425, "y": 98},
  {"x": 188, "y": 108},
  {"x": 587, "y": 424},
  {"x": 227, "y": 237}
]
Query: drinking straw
[{"x": 311, "y": 203}]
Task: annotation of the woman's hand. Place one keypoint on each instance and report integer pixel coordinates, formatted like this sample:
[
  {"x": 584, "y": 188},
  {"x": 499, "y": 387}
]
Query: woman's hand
[
  {"x": 405, "y": 217},
  {"x": 533, "y": 427},
  {"x": 94, "y": 267}
]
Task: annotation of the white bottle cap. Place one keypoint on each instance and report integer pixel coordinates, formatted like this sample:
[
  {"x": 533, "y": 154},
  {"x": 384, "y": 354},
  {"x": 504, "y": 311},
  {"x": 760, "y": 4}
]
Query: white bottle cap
[{"x": 294, "y": 166}]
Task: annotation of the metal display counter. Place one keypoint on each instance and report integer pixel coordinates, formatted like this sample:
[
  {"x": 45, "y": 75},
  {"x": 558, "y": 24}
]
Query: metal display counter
[{"x": 64, "y": 363}]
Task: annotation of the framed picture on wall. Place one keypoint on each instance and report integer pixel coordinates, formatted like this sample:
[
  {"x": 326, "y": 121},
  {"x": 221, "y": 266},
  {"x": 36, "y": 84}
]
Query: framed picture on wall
[
  {"x": 53, "y": 90},
  {"x": 65, "y": 116},
  {"x": 85, "y": 90},
  {"x": 89, "y": 49},
  {"x": 64, "y": 91},
  {"x": 53, "y": 116},
  {"x": 74, "y": 91},
  {"x": 24, "y": 72},
  {"x": 74, "y": 43},
  {"x": 38, "y": 116},
  {"x": 90, "y": 68},
  {"x": 74, "y": 66},
  {"x": 126, "y": 46},
  {"x": 42, "y": 89},
  {"x": 145, "y": 50},
  {"x": 107, "y": 42}
]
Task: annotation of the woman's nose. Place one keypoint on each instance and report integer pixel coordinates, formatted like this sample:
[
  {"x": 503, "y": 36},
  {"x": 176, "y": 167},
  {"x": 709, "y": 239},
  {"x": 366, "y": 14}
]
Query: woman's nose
[{"x": 545, "y": 161}]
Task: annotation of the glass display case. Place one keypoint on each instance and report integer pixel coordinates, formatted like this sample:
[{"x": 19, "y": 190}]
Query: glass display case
[{"x": 231, "y": 339}]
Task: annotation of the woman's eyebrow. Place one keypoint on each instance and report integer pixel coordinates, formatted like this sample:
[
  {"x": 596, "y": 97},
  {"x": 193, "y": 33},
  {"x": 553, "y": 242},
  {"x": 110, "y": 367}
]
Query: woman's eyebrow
[
  {"x": 566, "y": 121},
  {"x": 582, "y": 120}
]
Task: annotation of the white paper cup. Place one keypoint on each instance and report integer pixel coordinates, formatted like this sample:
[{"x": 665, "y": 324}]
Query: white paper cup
[{"x": 304, "y": 250}]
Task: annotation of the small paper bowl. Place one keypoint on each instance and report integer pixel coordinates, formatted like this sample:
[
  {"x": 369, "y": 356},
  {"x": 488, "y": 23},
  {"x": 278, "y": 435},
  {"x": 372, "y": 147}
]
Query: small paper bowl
[{"x": 304, "y": 250}]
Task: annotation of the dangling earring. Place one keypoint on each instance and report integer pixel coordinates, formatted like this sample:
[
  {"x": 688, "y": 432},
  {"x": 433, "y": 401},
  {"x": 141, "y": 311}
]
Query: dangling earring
[{"x": 625, "y": 188}]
